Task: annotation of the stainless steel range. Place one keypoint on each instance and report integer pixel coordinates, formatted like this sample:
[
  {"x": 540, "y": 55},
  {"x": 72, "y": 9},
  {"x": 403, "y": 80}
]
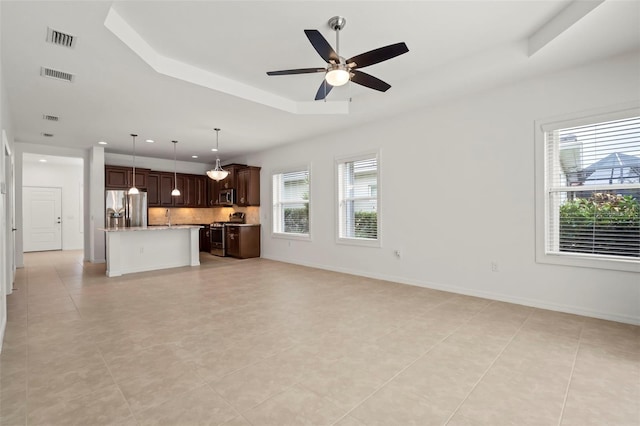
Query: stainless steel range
[{"x": 219, "y": 234}]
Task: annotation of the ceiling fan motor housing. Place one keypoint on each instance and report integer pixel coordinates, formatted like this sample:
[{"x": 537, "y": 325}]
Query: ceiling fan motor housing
[{"x": 337, "y": 23}]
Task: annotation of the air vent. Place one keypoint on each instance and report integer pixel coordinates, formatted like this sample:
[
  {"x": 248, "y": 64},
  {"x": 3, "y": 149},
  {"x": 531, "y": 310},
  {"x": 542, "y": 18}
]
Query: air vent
[
  {"x": 56, "y": 74},
  {"x": 59, "y": 38},
  {"x": 50, "y": 117},
  {"x": 47, "y": 135}
]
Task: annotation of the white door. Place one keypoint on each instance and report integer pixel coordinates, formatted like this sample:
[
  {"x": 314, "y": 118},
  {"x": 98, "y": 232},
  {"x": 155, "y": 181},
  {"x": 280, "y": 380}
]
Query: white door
[{"x": 42, "y": 218}]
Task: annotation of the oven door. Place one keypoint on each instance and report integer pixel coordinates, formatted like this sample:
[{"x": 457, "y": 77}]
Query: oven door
[{"x": 217, "y": 241}]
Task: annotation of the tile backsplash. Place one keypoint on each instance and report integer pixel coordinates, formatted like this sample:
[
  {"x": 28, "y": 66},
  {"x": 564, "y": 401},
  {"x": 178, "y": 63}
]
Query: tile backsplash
[{"x": 187, "y": 216}]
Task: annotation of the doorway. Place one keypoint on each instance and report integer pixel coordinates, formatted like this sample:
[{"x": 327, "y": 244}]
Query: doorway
[{"x": 42, "y": 212}]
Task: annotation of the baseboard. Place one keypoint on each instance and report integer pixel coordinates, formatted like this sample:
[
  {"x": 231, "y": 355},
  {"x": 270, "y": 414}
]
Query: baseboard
[{"x": 534, "y": 303}]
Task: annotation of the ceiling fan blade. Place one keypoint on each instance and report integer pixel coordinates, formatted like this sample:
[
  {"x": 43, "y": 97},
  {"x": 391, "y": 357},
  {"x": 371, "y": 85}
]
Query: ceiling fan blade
[
  {"x": 378, "y": 55},
  {"x": 322, "y": 46},
  {"x": 323, "y": 90},
  {"x": 369, "y": 81},
  {"x": 296, "y": 71}
]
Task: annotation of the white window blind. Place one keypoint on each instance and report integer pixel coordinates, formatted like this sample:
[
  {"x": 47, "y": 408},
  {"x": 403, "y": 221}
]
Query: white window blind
[
  {"x": 592, "y": 189},
  {"x": 358, "y": 198},
  {"x": 291, "y": 203}
]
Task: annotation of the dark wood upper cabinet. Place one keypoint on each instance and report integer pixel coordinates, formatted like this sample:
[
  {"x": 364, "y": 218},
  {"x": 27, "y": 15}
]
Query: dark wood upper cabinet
[
  {"x": 230, "y": 182},
  {"x": 212, "y": 192},
  {"x": 200, "y": 196},
  {"x": 153, "y": 189},
  {"x": 248, "y": 186},
  {"x": 119, "y": 177},
  {"x": 195, "y": 190},
  {"x": 181, "y": 200},
  {"x": 166, "y": 186}
]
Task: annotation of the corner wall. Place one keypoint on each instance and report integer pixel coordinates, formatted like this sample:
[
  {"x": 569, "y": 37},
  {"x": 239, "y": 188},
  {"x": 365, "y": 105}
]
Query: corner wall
[{"x": 457, "y": 193}]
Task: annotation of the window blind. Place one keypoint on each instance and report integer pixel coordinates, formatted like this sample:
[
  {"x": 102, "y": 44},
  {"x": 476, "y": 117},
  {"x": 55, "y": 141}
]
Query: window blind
[
  {"x": 358, "y": 198},
  {"x": 291, "y": 202},
  {"x": 593, "y": 189}
]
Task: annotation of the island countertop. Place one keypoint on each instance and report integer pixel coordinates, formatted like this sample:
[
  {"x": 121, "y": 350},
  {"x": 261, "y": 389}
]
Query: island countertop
[{"x": 151, "y": 228}]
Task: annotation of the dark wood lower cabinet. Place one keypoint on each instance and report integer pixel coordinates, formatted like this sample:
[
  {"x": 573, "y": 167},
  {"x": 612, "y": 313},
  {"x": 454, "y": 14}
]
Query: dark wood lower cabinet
[
  {"x": 205, "y": 239},
  {"x": 243, "y": 241}
]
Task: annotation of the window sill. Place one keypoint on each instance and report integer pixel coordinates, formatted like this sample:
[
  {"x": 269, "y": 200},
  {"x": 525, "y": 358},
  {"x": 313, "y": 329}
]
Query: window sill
[
  {"x": 362, "y": 242},
  {"x": 588, "y": 261}
]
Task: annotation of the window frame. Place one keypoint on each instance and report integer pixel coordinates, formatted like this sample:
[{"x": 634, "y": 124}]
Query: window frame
[
  {"x": 542, "y": 215},
  {"x": 353, "y": 241},
  {"x": 290, "y": 235}
]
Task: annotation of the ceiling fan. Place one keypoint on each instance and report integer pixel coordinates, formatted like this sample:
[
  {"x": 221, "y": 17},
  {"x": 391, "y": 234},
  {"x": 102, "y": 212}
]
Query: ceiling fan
[{"x": 340, "y": 71}]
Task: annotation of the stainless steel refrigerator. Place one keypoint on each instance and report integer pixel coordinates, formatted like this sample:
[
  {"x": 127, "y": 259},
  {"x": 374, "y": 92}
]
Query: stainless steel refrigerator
[{"x": 124, "y": 210}]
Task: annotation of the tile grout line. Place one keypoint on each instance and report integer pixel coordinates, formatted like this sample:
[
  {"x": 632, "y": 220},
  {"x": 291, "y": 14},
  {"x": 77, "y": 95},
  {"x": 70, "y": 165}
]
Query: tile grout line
[
  {"x": 488, "y": 368},
  {"x": 408, "y": 366},
  {"x": 573, "y": 367}
]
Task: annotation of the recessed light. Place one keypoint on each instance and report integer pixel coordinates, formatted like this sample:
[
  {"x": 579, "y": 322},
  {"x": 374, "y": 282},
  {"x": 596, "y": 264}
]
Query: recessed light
[
  {"x": 102, "y": 143},
  {"x": 194, "y": 156},
  {"x": 42, "y": 160},
  {"x": 214, "y": 149},
  {"x": 149, "y": 141}
]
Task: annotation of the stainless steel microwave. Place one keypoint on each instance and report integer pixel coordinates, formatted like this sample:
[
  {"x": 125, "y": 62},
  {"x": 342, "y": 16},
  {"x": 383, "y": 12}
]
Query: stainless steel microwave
[{"x": 227, "y": 197}]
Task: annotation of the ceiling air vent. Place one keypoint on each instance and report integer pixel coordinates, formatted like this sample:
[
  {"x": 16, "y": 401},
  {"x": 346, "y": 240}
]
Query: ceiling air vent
[
  {"x": 56, "y": 74},
  {"x": 47, "y": 135},
  {"x": 50, "y": 117},
  {"x": 59, "y": 38}
]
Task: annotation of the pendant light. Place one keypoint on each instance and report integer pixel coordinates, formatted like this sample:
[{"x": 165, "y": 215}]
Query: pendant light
[
  {"x": 176, "y": 191},
  {"x": 133, "y": 190},
  {"x": 218, "y": 173}
]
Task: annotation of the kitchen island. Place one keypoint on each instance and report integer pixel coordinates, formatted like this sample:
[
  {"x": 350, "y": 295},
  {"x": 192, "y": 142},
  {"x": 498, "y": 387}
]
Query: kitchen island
[{"x": 139, "y": 249}]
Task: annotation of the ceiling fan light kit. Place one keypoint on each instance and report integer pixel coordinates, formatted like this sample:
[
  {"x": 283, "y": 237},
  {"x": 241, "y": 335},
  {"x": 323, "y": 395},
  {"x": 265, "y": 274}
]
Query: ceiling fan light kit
[{"x": 339, "y": 71}]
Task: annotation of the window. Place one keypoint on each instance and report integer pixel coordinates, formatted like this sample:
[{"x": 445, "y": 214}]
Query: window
[
  {"x": 291, "y": 203},
  {"x": 592, "y": 192},
  {"x": 358, "y": 219}
]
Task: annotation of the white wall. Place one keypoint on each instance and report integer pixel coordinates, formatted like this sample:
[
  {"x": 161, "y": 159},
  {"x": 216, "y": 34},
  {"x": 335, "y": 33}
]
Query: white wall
[
  {"x": 6, "y": 268},
  {"x": 69, "y": 177},
  {"x": 457, "y": 193}
]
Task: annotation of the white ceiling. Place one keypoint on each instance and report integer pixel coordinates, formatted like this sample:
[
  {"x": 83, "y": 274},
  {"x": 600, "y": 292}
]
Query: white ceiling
[{"x": 455, "y": 47}]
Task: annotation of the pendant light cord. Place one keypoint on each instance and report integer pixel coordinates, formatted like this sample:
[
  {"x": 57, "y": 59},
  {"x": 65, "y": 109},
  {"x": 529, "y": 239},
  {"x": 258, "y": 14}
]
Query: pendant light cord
[
  {"x": 134, "y": 160},
  {"x": 175, "y": 174}
]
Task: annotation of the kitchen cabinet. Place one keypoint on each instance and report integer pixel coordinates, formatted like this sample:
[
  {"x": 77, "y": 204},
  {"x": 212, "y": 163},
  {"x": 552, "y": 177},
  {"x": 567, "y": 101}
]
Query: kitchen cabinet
[
  {"x": 153, "y": 189},
  {"x": 166, "y": 186},
  {"x": 212, "y": 192},
  {"x": 230, "y": 181},
  {"x": 181, "y": 200},
  {"x": 205, "y": 239},
  {"x": 248, "y": 186},
  {"x": 195, "y": 190},
  {"x": 243, "y": 241},
  {"x": 119, "y": 177}
]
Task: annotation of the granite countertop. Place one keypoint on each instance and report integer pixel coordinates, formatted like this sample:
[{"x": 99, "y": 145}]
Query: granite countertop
[
  {"x": 242, "y": 224},
  {"x": 150, "y": 228}
]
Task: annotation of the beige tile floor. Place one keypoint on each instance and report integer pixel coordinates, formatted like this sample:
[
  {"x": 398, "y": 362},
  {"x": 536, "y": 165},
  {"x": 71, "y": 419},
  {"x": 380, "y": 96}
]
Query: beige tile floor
[{"x": 258, "y": 342}]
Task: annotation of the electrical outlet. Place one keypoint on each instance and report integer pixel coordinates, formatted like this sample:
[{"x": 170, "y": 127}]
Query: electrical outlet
[
  {"x": 398, "y": 253},
  {"x": 494, "y": 266}
]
